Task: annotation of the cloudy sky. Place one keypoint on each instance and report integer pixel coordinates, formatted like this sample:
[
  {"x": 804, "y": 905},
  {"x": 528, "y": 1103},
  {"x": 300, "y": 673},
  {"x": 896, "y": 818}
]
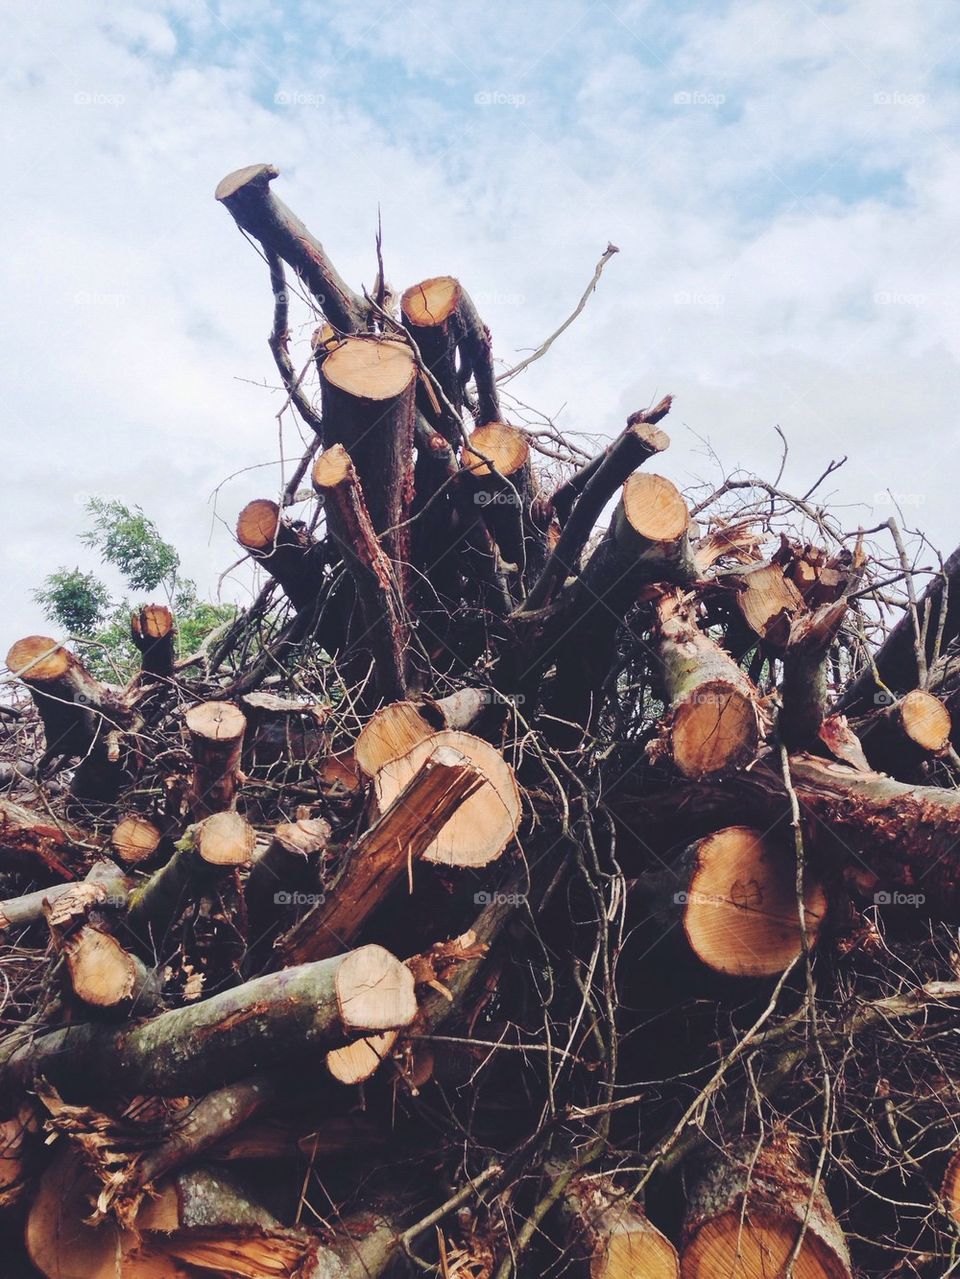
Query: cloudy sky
[{"x": 782, "y": 179}]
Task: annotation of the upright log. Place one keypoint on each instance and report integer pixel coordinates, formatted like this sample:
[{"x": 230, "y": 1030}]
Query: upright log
[
  {"x": 803, "y": 691},
  {"x": 385, "y": 630},
  {"x": 288, "y": 553},
  {"x": 430, "y": 312},
  {"x": 368, "y": 387},
  {"x": 497, "y": 459},
  {"x": 216, "y": 738},
  {"x": 747, "y": 1210},
  {"x": 153, "y": 632}
]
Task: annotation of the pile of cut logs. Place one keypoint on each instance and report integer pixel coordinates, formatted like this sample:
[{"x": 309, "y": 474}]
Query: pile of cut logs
[{"x": 549, "y": 872}]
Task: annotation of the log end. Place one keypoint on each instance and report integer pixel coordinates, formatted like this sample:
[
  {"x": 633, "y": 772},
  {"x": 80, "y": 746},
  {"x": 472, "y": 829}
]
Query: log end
[
  {"x": 925, "y": 720},
  {"x": 249, "y": 175},
  {"x": 431, "y": 302},
  {"x": 715, "y": 730},
  {"x": 102, "y": 974},
  {"x": 759, "y": 1243},
  {"x": 505, "y": 447},
  {"x": 38, "y": 658},
  {"x": 370, "y": 368},
  {"x": 634, "y": 1251},
  {"x": 740, "y": 912},
  {"x": 135, "y": 839},
  {"x": 332, "y": 467},
  {"x": 654, "y": 507},
  {"x": 391, "y": 732},
  {"x": 257, "y": 524},
  {"x": 151, "y": 622},
  {"x": 226, "y": 839},
  {"x": 356, "y": 1062},
  {"x": 216, "y": 721},
  {"x": 375, "y": 991}
]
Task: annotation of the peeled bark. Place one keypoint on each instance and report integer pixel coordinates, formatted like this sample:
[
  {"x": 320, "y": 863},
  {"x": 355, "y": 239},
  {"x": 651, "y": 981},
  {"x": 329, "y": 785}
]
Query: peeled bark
[
  {"x": 715, "y": 721},
  {"x": 734, "y": 894},
  {"x": 263, "y": 1023},
  {"x": 746, "y": 1212},
  {"x": 288, "y": 553},
  {"x": 406, "y": 830},
  {"x": 153, "y": 632},
  {"x": 246, "y": 194},
  {"x": 607, "y": 1235},
  {"x": 368, "y": 387},
  {"x": 385, "y": 628},
  {"x": 216, "y": 737}
]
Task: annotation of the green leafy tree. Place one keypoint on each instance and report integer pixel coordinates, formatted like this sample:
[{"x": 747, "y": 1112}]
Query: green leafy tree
[{"x": 129, "y": 541}]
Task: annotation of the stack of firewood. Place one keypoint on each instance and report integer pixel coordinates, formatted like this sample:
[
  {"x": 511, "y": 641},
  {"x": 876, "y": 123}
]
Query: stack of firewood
[{"x": 538, "y": 877}]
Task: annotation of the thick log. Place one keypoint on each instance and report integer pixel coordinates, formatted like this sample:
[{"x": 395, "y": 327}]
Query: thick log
[
  {"x": 81, "y": 716},
  {"x": 385, "y": 629},
  {"x": 483, "y": 824},
  {"x": 408, "y": 827},
  {"x": 286, "y": 551},
  {"x": 734, "y": 894},
  {"x": 246, "y": 194},
  {"x": 591, "y": 489},
  {"x": 210, "y": 851},
  {"x": 284, "y": 870},
  {"x": 368, "y": 387},
  {"x": 900, "y": 737},
  {"x": 105, "y": 976},
  {"x": 135, "y": 839},
  {"x": 804, "y": 694},
  {"x": 497, "y": 460},
  {"x": 216, "y": 738},
  {"x": 746, "y": 1212},
  {"x": 607, "y": 1236},
  {"x": 263, "y": 1023},
  {"x": 153, "y": 632},
  {"x": 104, "y": 884},
  {"x": 715, "y": 721}
]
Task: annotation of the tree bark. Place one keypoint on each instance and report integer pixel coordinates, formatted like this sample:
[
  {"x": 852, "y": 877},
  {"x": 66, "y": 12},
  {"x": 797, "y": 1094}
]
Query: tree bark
[
  {"x": 153, "y": 632},
  {"x": 246, "y": 194},
  {"x": 262, "y": 1023},
  {"x": 803, "y": 691},
  {"x": 899, "y": 738}
]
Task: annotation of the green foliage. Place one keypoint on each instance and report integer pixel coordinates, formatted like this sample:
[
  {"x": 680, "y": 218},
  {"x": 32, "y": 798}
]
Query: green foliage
[
  {"x": 81, "y": 604},
  {"x": 132, "y": 543},
  {"x": 77, "y": 601}
]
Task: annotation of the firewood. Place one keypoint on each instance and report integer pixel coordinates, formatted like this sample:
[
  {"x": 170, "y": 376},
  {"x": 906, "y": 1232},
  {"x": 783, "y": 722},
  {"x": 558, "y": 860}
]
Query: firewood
[
  {"x": 747, "y": 1210},
  {"x": 734, "y": 894},
  {"x": 716, "y": 722},
  {"x": 608, "y": 1236},
  {"x": 483, "y": 824},
  {"x": 223, "y": 1038},
  {"x": 135, "y": 839},
  {"x": 103, "y": 975},
  {"x": 216, "y": 735},
  {"x": 152, "y": 631},
  {"x": 289, "y": 555},
  {"x": 413, "y": 823},
  {"x": 901, "y": 736}
]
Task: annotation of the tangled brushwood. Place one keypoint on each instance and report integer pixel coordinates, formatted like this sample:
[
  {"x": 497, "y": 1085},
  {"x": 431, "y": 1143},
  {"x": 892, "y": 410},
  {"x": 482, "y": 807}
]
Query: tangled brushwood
[{"x": 549, "y": 873}]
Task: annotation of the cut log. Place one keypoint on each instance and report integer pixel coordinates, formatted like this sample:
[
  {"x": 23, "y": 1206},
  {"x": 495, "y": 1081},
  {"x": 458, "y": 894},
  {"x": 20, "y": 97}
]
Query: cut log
[
  {"x": 900, "y": 737},
  {"x": 210, "y": 851},
  {"x": 746, "y": 1211},
  {"x": 599, "y": 481},
  {"x": 735, "y": 895},
  {"x": 287, "y": 552},
  {"x": 497, "y": 459},
  {"x": 438, "y": 790},
  {"x": 390, "y": 733},
  {"x": 803, "y": 691},
  {"x": 368, "y": 387},
  {"x": 715, "y": 721},
  {"x": 950, "y": 1189},
  {"x": 430, "y": 316},
  {"x": 357, "y": 1062},
  {"x": 152, "y": 631},
  {"x": 285, "y": 871},
  {"x": 263, "y": 1023},
  {"x": 40, "y": 845},
  {"x": 135, "y": 839},
  {"x": 216, "y": 737},
  {"x": 768, "y": 602},
  {"x": 247, "y": 196},
  {"x": 105, "y": 976},
  {"x": 104, "y": 884},
  {"x": 485, "y": 823},
  {"x": 81, "y": 716},
  {"x": 385, "y": 630},
  {"x": 607, "y": 1235}
]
